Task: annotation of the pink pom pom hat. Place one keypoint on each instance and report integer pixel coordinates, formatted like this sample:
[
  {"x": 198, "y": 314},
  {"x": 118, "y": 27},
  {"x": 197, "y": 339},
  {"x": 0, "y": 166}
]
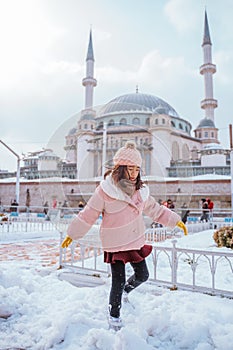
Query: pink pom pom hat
[{"x": 128, "y": 155}]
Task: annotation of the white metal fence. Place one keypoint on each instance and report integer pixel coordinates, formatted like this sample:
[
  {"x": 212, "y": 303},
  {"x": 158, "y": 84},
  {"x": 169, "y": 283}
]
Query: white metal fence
[
  {"x": 86, "y": 255},
  {"x": 198, "y": 264}
]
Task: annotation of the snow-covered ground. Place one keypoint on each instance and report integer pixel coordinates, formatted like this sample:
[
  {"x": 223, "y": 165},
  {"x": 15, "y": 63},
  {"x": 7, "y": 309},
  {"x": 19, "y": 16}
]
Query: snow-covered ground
[{"x": 50, "y": 313}]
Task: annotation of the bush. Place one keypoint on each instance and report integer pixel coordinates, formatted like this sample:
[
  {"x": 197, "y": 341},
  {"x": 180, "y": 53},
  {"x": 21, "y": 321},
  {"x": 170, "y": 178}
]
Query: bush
[{"x": 224, "y": 237}]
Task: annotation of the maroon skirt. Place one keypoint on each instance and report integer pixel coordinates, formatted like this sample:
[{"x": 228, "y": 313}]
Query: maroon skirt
[{"x": 133, "y": 256}]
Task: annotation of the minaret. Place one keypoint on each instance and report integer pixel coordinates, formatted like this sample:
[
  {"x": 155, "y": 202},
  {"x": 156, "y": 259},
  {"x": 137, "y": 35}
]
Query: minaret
[
  {"x": 207, "y": 70},
  {"x": 86, "y": 123},
  {"x": 206, "y": 130},
  {"x": 89, "y": 82}
]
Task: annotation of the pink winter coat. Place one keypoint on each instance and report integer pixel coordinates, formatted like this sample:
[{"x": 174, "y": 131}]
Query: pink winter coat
[{"x": 122, "y": 226}]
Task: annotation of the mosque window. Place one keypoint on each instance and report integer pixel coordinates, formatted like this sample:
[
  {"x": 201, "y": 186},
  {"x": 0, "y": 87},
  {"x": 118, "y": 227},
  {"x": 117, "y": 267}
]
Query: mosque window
[
  {"x": 148, "y": 163},
  {"x": 175, "y": 151},
  {"x": 206, "y": 134},
  {"x": 136, "y": 121},
  {"x": 180, "y": 126},
  {"x": 194, "y": 153},
  {"x": 173, "y": 124},
  {"x": 185, "y": 152},
  {"x": 100, "y": 126},
  {"x": 123, "y": 121},
  {"x": 186, "y": 128},
  {"x": 156, "y": 121},
  {"x": 212, "y": 134},
  {"x": 147, "y": 121},
  {"x": 85, "y": 126},
  {"x": 163, "y": 121},
  {"x": 111, "y": 122}
]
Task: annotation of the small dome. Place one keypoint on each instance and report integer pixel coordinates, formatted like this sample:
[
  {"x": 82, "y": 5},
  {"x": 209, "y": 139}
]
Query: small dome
[
  {"x": 72, "y": 131},
  {"x": 213, "y": 146},
  {"x": 138, "y": 102},
  {"x": 48, "y": 153},
  {"x": 206, "y": 123}
]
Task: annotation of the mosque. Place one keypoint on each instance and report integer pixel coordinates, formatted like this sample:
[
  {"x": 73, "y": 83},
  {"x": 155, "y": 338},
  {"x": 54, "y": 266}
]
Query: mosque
[
  {"x": 172, "y": 157},
  {"x": 163, "y": 137}
]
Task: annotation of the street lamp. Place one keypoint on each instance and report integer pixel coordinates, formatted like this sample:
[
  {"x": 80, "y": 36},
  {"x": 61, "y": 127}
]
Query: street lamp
[
  {"x": 18, "y": 170},
  {"x": 104, "y": 147},
  {"x": 231, "y": 160}
]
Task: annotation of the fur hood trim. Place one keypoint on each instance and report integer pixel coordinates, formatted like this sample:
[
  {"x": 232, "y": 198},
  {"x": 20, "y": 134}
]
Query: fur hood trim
[{"x": 109, "y": 187}]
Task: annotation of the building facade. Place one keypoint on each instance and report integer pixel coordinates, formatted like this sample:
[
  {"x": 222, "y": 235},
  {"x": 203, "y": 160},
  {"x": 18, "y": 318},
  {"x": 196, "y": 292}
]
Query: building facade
[{"x": 163, "y": 137}]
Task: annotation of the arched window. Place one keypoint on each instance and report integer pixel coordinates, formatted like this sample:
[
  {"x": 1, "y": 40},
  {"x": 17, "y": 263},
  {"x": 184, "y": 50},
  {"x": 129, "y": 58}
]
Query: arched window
[
  {"x": 156, "y": 121},
  {"x": 148, "y": 163},
  {"x": 173, "y": 124},
  {"x": 147, "y": 121},
  {"x": 100, "y": 126},
  {"x": 180, "y": 126},
  {"x": 185, "y": 152},
  {"x": 175, "y": 151},
  {"x": 111, "y": 122},
  {"x": 163, "y": 121},
  {"x": 123, "y": 121},
  {"x": 194, "y": 153},
  {"x": 136, "y": 121}
]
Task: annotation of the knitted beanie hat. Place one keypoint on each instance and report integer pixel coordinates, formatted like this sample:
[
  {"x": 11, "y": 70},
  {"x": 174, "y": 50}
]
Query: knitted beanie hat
[{"x": 128, "y": 155}]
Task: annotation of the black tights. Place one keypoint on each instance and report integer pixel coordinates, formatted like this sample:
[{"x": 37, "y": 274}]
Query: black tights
[{"x": 140, "y": 275}]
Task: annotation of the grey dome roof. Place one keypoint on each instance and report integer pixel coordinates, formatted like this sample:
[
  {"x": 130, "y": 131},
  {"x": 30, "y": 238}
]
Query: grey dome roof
[
  {"x": 212, "y": 146},
  {"x": 48, "y": 153},
  {"x": 206, "y": 123},
  {"x": 72, "y": 131},
  {"x": 138, "y": 102}
]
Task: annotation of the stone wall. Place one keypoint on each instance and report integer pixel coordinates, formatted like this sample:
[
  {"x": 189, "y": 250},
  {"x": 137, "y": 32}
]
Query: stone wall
[{"x": 189, "y": 192}]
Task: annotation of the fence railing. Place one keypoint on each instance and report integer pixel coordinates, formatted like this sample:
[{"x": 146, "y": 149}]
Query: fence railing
[
  {"x": 86, "y": 256},
  {"x": 32, "y": 226},
  {"x": 201, "y": 269}
]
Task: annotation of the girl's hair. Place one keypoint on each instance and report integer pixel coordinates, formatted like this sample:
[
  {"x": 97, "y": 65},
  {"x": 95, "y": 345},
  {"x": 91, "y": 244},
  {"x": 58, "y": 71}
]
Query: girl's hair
[{"x": 119, "y": 172}]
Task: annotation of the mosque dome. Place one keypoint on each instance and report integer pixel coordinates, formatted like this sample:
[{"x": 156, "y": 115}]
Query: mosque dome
[
  {"x": 48, "y": 154},
  {"x": 138, "y": 102},
  {"x": 206, "y": 123},
  {"x": 213, "y": 146},
  {"x": 72, "y": 131}
]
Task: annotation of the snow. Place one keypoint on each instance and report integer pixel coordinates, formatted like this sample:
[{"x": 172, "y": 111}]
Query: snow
[
  {"x": 206, "y": 177},
  {"x": 48, "y": 312}
]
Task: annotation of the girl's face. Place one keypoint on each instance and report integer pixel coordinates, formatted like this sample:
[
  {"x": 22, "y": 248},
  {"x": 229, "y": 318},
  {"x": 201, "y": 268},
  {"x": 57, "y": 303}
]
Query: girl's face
[{"x": 133, "y": 172}]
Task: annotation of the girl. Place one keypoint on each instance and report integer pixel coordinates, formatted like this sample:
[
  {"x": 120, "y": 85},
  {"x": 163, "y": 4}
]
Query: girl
[{"x": 122, "y": 197}]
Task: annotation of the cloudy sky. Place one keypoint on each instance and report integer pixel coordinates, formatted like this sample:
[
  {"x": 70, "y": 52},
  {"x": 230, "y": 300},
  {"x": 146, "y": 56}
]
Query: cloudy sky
[{"x": 153, "y": 44}]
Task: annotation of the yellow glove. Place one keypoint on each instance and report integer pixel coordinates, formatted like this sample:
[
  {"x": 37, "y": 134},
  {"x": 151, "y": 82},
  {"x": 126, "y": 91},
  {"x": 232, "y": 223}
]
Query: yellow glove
[
  {"x": 181, "y": 225},
  {"x": 67, "y": 241}
]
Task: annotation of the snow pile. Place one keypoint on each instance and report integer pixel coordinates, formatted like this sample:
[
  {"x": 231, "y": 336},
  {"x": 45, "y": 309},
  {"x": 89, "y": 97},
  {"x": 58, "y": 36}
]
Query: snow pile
[{"x": 49, "y": 313}]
